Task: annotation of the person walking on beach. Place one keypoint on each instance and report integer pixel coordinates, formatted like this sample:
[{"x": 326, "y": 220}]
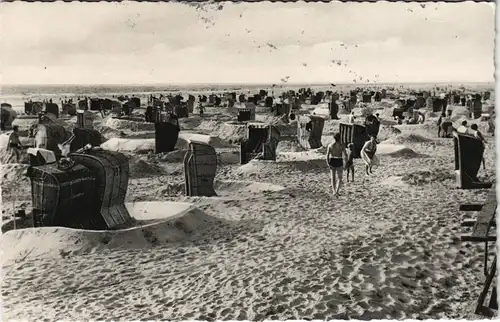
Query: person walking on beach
[
  {"x": 480, "y": 136},
  {"x": 349, "y": 165},
  {"x": 335, "y": 156},
  {"x": 368, "y": 154},
  {"x": 15, "y": 145}
]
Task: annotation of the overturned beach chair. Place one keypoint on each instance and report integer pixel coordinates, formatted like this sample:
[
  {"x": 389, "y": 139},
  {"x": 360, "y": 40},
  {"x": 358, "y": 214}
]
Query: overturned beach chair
[
  {"x": 355, "y": 134},
  {"x": 261, "y": 143},
  {"x": 468, "y": 158},
  {"x": 310, "y": 131},
  {"x": 481, "y": 232},
  {"x": 200, "y": 167}
]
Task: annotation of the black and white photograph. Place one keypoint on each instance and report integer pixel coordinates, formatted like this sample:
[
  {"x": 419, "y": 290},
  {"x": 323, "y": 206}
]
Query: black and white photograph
[{"x": 248, "y": 161}]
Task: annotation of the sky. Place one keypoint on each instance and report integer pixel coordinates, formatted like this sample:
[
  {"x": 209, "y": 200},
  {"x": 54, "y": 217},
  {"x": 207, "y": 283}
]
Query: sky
[{"x": 175, "y": 43}]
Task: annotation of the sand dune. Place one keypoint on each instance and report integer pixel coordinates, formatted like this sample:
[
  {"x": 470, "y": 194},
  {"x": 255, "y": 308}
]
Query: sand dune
[
  {"x": 141, "y": 146},
  {"x": 158, "y": 223},
  {"x": 127, "y": 125},
  {"x": 129, "y": 145},
  {"x": 395, "y": 150}
]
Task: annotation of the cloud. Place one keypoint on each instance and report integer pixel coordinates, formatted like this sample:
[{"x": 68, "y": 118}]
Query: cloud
[{"x": 176, "y": 43}]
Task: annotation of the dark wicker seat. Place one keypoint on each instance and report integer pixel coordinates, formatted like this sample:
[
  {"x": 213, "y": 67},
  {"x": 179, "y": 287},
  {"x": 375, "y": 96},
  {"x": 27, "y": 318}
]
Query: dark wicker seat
[
  {"x": 111, "y": 172},
  {"x": 62, "y": 197}
]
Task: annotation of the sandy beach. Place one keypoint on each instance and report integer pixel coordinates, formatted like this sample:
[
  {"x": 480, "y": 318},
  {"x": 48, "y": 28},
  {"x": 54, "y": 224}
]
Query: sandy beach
[
  {"x": 191, "y": 148},
  {"x": 274, "y": 243}
]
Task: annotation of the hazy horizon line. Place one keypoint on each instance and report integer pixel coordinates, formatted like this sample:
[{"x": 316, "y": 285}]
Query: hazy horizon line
[{"x": 253, "y": 83}]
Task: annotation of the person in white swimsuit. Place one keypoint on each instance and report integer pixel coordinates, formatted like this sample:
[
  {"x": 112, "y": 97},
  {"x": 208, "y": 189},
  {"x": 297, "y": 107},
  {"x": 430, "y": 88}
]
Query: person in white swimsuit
[{"x": 368, "y": 154}]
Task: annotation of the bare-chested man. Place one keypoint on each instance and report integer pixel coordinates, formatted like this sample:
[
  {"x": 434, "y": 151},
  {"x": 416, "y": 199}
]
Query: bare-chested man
[
  {"x": 15, "y": 145},
  {"x": 335, "y": 156}
]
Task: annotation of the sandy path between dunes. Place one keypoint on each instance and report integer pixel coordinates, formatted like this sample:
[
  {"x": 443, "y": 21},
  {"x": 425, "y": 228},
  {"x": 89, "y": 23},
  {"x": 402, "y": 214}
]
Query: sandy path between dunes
[{"x": 380, "y": 251}]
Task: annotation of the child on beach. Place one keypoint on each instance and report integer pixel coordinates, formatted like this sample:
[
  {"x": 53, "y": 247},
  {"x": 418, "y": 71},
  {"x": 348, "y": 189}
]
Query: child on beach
[{"x": 349, "y": 165}]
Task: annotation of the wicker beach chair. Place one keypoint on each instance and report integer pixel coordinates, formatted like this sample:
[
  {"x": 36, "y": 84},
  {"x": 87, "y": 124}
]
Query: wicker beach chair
[
  {"x": 111, "y": 172},
  {"x": 61, "y": 197},
  {"x": 355, "y": 134},
  {"x": 310, "y": 130},
  {"x": 200, "y": 167}
]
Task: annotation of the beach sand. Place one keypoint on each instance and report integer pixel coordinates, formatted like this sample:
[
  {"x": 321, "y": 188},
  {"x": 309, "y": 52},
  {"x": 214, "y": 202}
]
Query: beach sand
[{"x": 274, "y": 243}]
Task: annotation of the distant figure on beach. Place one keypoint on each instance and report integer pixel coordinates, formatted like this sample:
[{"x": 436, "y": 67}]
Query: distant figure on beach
[
  {"x": 349, "y": 165},
  {"x": 491, "y": 123},
  {"x": 125, "y": 109},
  {"x": 477, "y": 134},
  {"x": 462, "y": 129},
  {"x": 335, "y": 156},
  {"x": 368, "y": 154},
  {"x": 443, "y": 124},
  {"x": 421, "y": 118},
  {"x": 15, "y": 145},
  {"x": 201, "y": 108},
  {"x": 480, "y": 136},
  {"x": 351, "y": 118},
  {"x": 149, "y": 114}
]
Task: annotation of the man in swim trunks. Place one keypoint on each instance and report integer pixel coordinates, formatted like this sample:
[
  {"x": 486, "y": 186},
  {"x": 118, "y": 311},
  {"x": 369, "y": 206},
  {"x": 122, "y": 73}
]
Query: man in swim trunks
[
  {"x": 335, "y": 156},
  {"x": 15, "y": 144}
]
